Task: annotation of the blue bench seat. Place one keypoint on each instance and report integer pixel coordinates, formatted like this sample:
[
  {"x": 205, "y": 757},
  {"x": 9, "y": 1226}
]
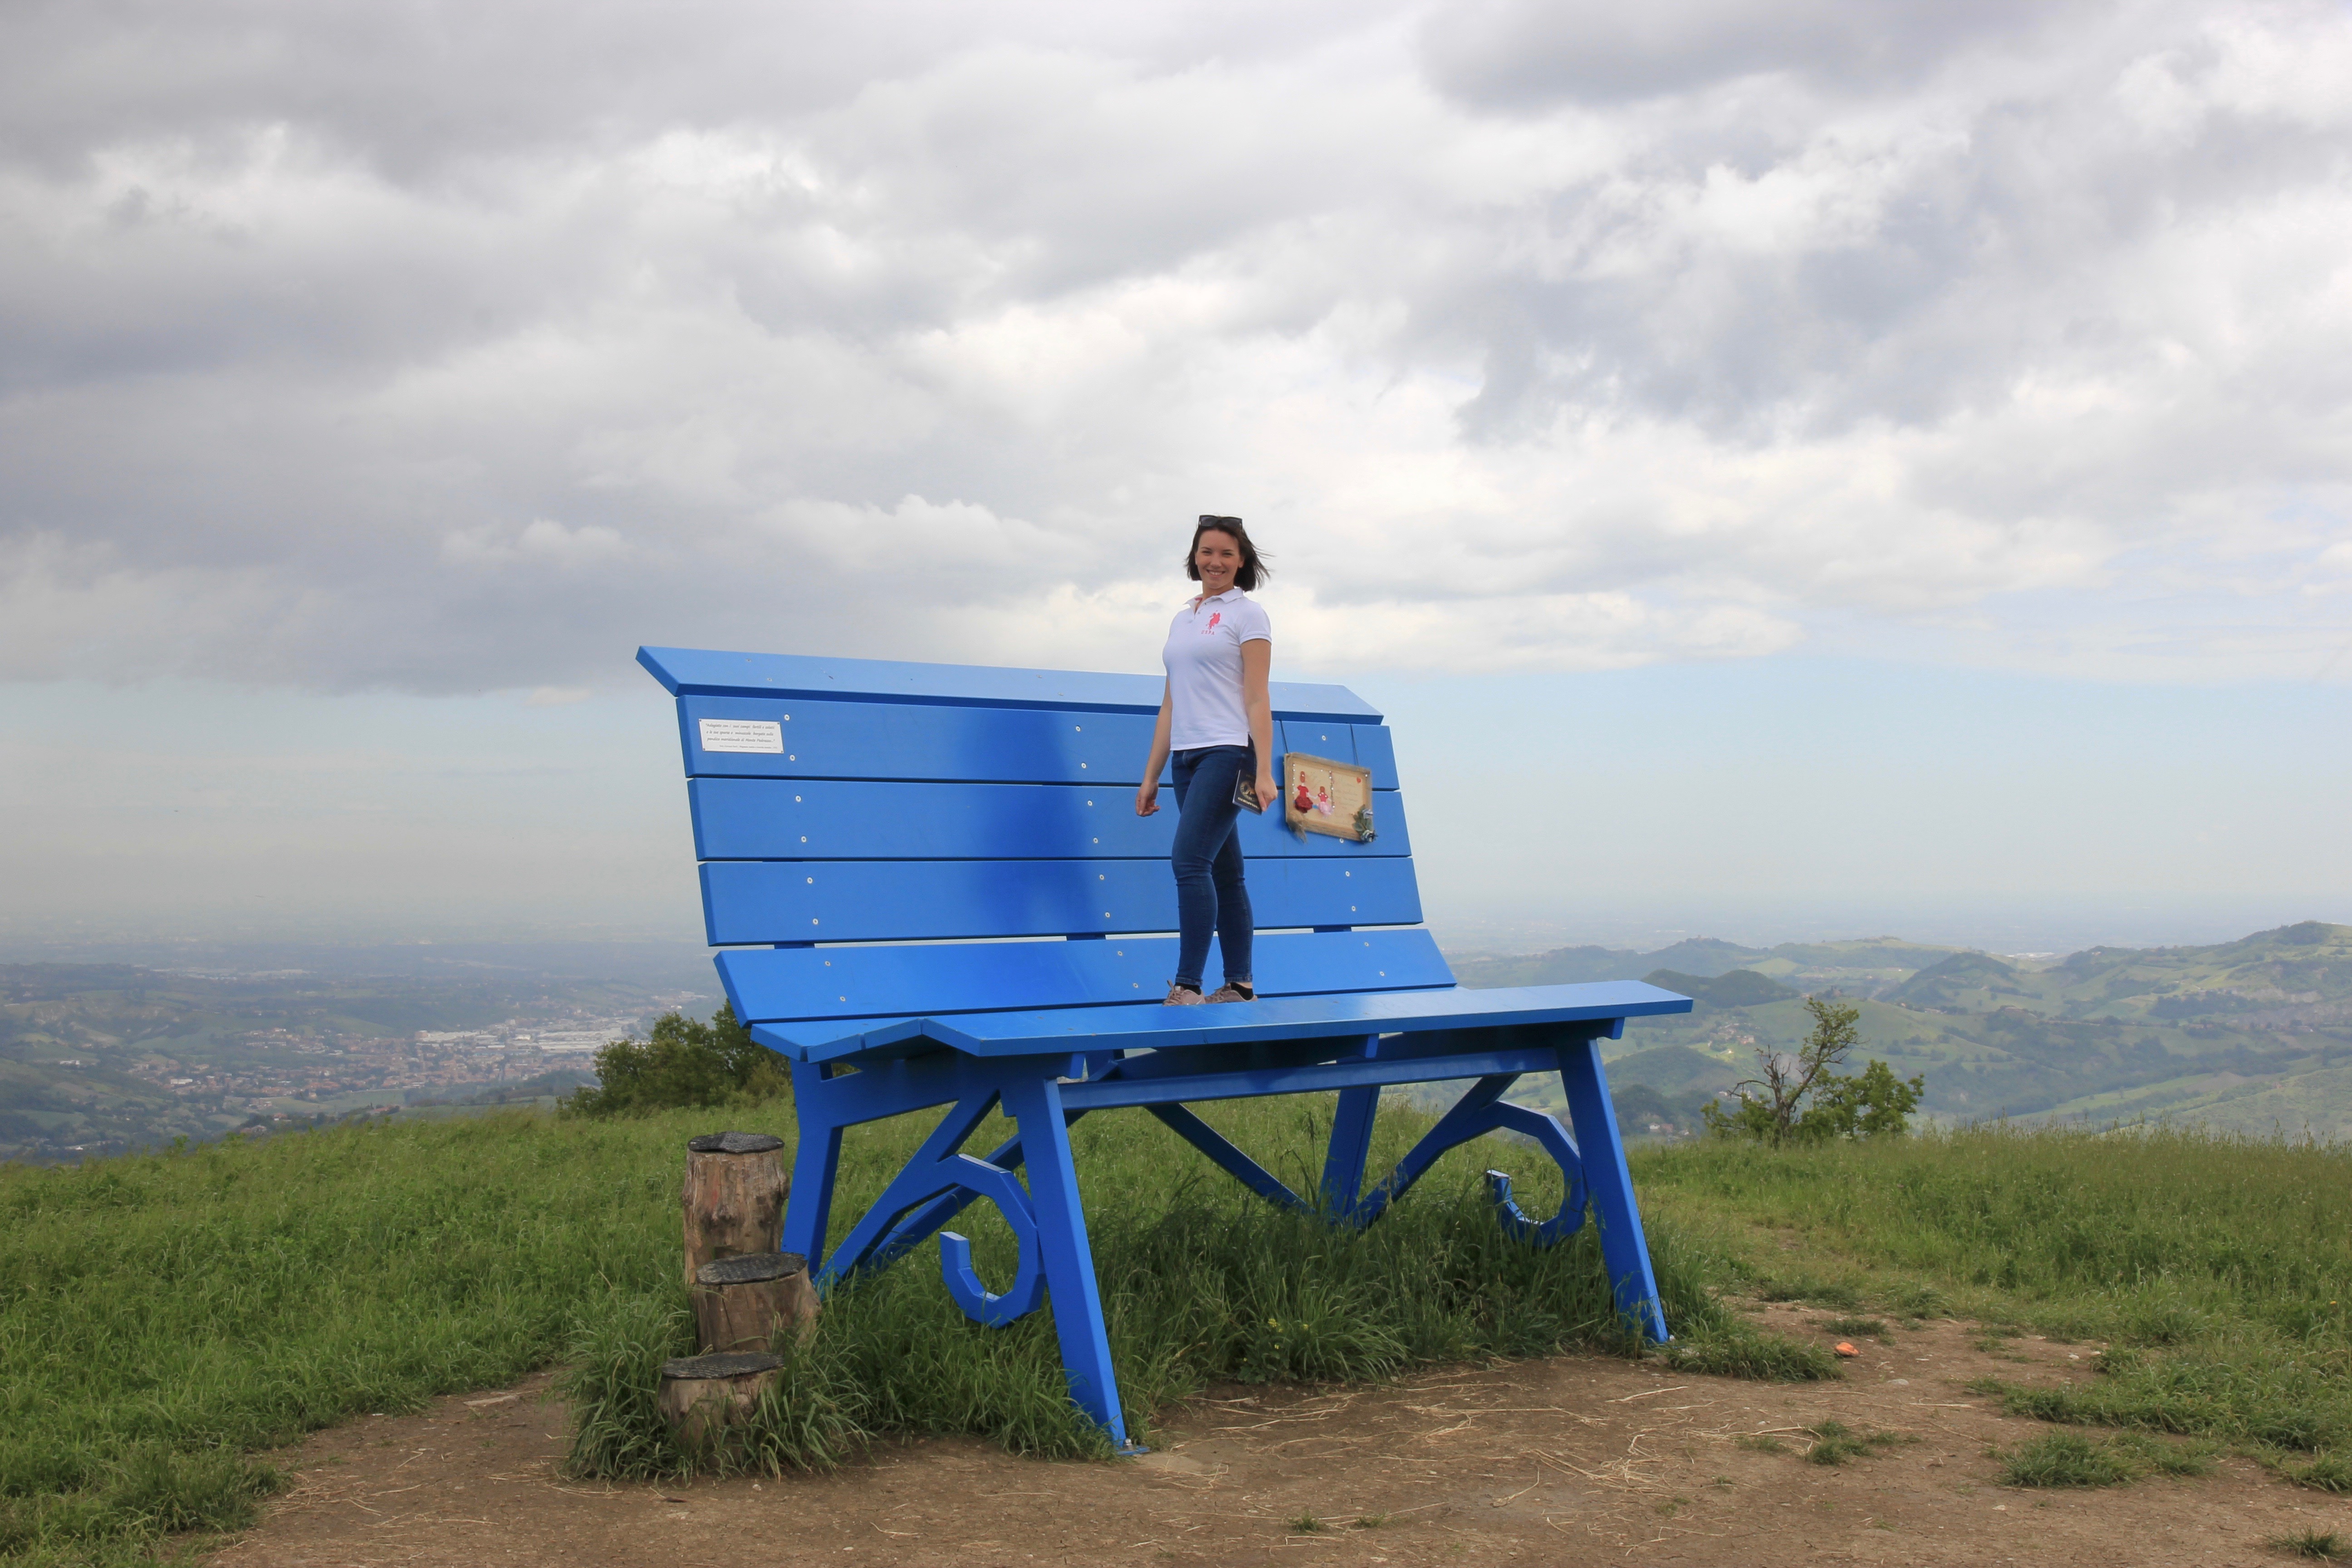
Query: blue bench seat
[
  {"x": 929, "y": 886},
  {"x": 1271, "y": 1017}
]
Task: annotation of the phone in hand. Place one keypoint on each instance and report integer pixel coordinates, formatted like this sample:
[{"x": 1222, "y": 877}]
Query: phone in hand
[{"x": 1245, "y": 783}]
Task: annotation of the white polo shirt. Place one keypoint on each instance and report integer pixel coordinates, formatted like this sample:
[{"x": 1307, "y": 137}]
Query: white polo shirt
[{"x": 1204, "y": 657}]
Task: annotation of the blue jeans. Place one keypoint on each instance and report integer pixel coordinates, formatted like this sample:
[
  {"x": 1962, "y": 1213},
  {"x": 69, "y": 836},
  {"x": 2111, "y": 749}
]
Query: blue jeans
[{"x": 1210, "y": 892}]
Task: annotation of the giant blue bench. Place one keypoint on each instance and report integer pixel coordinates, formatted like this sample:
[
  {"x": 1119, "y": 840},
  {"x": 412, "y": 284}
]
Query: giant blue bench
[{"x": 869, "y": 834}]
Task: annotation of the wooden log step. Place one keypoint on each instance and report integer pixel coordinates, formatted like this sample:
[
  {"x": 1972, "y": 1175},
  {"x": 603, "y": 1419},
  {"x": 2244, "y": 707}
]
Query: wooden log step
[
  {"x": 739, "y": 1302},
  {"x": 733, "y": 1201},
  {"x": 734, "y": 1143},
  {"x": 703, "y": 1395}
]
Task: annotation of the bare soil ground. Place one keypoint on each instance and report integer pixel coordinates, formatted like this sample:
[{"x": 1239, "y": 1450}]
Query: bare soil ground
[{"x": 1570, "y": 1459}]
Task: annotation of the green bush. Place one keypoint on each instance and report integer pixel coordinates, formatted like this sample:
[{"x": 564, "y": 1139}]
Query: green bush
[
  {"x": 1802, "y": 1099},
  {"x": 685, "y": 1063}
]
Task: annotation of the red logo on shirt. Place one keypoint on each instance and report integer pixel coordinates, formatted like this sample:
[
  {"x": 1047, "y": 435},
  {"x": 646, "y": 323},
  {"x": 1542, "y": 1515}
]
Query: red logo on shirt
[{"x": 1214, "y": 616}]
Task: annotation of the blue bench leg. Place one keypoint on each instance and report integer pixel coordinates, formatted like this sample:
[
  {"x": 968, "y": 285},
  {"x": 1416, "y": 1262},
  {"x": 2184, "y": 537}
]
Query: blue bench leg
[
  {"x": 1220, "y": 1149},
  {"x": 1471, "y": 1115},
  {"x": 1351, "y": 1145},
  {"x": 808, "y": 1208},
  {"x": 1035, "y": 1105},
  {"x": 1623, "y": 1247}
]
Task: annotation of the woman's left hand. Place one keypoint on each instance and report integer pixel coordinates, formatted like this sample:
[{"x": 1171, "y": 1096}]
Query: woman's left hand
[{"x": 1268, "y": 797}]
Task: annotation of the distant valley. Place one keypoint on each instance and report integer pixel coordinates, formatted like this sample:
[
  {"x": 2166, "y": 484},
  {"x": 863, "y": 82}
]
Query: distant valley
[
  {"x": 2251, "y": 1036},
  {"x": 103, "y": 1058}
]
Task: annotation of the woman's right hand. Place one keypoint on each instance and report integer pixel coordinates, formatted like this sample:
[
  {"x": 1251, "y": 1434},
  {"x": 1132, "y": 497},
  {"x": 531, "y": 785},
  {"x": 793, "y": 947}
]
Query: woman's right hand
[{"x": 1147, "y": 798}]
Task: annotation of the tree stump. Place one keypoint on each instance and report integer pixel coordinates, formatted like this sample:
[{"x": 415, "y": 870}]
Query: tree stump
[
  {"x": 702, "y": 1395},
  {"x": 739, "y": 1302},
  {"x": 734, "y": 1198}
]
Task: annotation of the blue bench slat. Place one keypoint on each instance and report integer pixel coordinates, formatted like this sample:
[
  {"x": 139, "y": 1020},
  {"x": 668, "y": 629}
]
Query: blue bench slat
[
  {"x": 769, "y": 984},
  {"x": 1365, "y": 746},
  {"x": 991, "y": 745},
  {"x": 706, "y": 672},
  {"x": 1235, "y": 1022},
  {"x": 916, "y": 901},
  {"x": 833, "y": 819}
]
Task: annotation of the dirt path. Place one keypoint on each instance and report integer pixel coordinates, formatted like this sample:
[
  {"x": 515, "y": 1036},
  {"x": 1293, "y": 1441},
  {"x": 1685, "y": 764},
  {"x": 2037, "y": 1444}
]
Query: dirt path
[{"x": 1564, "y": 1461}]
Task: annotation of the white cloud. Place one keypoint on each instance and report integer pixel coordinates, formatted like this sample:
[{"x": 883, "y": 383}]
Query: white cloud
[
  {"x": 1541, "y": 337},
  {"x": 543, "y": 542}
]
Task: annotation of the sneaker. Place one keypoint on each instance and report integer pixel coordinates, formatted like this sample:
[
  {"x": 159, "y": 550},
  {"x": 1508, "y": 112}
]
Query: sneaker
[
  {"x": 1230, "y": 992},
  {"x": 1182, "y": 997}
]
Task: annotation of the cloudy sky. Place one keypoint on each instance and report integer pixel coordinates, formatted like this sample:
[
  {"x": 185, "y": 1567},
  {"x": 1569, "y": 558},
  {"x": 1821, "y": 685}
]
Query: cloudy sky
[{"x": 1874, "y": 459}]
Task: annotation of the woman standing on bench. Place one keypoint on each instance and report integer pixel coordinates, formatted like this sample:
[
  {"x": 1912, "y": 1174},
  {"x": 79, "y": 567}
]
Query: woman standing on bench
[{"x": 1215, "y": 716}]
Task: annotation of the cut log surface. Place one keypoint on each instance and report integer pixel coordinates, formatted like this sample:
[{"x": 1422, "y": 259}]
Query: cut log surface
[
  {"x": 702, "y": 1395},
  {"x": 705, "y": 1368},
  {"x": 739, "y": 1302},
  {"x": 735, "y": 1143},
  {"x": 734, "y": 1202},
  {"x": 750, "y": 1269}
]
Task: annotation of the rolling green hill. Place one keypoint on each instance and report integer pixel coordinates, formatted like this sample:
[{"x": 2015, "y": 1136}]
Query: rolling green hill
[
  {"x": 1866, "y": 964},
  {"x": 2253, "y": 1036},
  {"x": 1741, "y": 988}
]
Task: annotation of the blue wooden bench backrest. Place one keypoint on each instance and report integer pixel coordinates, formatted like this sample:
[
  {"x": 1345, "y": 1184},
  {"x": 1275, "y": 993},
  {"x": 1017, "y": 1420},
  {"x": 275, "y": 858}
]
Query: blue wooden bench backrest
[{"x": 890, "y": 803}]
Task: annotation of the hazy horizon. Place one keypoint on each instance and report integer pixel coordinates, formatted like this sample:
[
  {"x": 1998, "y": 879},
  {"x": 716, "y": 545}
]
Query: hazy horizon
[{"x": 648, "y": 951}]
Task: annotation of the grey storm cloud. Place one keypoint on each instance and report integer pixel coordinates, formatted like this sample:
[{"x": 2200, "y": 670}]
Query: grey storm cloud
[
  {"x": 1526, "y": 53},
  {"x": 443, "y": 348}
]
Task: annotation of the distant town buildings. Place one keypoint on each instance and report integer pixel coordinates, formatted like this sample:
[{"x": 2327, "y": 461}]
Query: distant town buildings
[{"x": 254, "y": 1075}]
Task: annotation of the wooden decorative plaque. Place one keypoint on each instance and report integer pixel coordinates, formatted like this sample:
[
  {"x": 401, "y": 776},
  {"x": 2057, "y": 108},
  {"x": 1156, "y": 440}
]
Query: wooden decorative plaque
[{"x": 1319, "y": 796}]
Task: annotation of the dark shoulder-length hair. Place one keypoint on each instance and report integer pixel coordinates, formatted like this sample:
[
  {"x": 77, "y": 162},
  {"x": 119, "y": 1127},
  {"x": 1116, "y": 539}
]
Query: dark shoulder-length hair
[{"x": 1254, "y": 569}]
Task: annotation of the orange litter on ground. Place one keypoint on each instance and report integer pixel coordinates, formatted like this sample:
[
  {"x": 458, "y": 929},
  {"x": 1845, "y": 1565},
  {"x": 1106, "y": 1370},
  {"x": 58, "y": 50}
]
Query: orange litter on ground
[{"x": 1846, "y": 1349}]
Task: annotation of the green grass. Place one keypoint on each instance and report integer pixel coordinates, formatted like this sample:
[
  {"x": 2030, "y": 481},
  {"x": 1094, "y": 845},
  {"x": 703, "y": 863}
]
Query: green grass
[
  {"x": 2323, "y": 1544},
  {"x": 1858, "y": 1327},
  {"x": 2218, "y": 1270},
  {"x": 161, "y": 1317},
  {"x": 1834, "y": 1442},
  {"x": 2064, "y": 1459},
  {"x": 1201, "y": 1281},
  {"x": 2072, "y": 1459},
  {"x": 1802, "y": 1285},
  {"x": 166, "y": 1321}
]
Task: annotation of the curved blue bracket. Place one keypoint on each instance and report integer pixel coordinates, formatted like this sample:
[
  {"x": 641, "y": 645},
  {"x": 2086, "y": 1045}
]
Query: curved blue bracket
[
  {"x": 1554, "y": 1139},
  {"x": 1027, "y": 1293}
]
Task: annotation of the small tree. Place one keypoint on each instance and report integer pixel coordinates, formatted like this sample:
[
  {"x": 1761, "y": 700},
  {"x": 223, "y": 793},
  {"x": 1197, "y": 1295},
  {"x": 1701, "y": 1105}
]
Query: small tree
[
  {"x": 1805, "y": 1100},
  {"x": 686, "y": 1062}
]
